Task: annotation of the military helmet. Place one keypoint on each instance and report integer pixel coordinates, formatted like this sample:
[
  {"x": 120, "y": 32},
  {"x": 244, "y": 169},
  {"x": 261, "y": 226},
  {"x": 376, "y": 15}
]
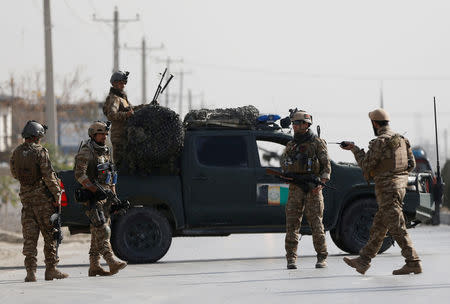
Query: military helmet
[
  {"x": 379, "y": 115},
  {"x": 34, "y": 129},
  {"x": 119, "y": 76},
  {"x": 98, "y": 127},
  {"x": 302, "y": 116}
]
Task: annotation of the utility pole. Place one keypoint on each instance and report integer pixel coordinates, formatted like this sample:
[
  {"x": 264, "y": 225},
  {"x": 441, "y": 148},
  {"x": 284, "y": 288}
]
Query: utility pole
[
  {"x": 180, "y": 100},
  {"x": 50, "y": 107},
  {"x": 12, "y": 85},
  {"x": 189, "y": 100},
  {"x": 168, "y": 61},
  {"x": 381, "y": 95},
  {"x": 144, "y": 50},
  {"x": 445, "y": 144},
  {"x": 115, "y": 22}
]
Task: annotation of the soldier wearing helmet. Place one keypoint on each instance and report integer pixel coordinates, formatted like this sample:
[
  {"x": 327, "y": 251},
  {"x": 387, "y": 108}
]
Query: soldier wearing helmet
[
  {"x": 305, "y": 154},
  {"x": 39, "y": 194},
  {"x": 93, "y": 164},
  {"x": 117, "y": 108},
  {"x": 387, "y": 162}
]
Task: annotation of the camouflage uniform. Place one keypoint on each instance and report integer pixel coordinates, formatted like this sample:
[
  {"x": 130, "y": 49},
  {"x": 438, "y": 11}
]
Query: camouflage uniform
[
  {"x": 116, "y": 109},
  {"x": 39, "y": 189},
  {"x": 388, "y": 162},
  {"x": 89, "y": 157},
  {"x": 310, "y": 157}
]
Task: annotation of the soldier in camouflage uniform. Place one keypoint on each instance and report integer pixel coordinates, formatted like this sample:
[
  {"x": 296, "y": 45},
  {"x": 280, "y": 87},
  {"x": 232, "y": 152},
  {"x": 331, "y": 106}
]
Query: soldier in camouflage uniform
[
  {"x": 305, "y": 154},
  {"x": 39, "y": 194},
  {"x": 93, "y": 163},
  {"x": 388, "y": 162},
  {"x": 118, "y": 109}
]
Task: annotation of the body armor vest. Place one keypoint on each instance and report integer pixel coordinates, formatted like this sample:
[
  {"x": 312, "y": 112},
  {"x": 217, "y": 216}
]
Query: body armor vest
[
  {"x": 100, "y": 167},
  {"x": 26, "y": 164},
  {"x": 302, "y": 159},
  {"x": 395, "y": 155}
]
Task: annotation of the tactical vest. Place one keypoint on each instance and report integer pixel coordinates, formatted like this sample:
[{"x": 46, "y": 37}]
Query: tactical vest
[
  {"x": 395, "y": 155},
  {"x": 100, "y": 167},
  {"x": 302, "y": 159},
  {"x": 124, "y": 105},
  {"x": 26, "y": 164}
]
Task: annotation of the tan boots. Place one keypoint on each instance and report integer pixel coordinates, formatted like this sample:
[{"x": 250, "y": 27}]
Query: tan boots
[
  {"x": 114, "y": 266},
  {"x": 31, "y": 275},
  {"x": 321, "y": 262},
  {"x": 95, "y": 269},
  {"x": 52, "y": 273},
  {"x": 358, "y": 263},
  {"x": 409, "y": 267}
]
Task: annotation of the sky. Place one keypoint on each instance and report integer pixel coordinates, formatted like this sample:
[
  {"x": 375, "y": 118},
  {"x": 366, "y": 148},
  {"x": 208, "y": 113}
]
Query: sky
[{"x": 327, "y": 57}]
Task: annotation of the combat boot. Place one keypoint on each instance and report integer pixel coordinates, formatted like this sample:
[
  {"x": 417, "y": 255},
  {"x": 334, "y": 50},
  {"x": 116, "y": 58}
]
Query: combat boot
[
  {"x": 31, "y": 275},
  {"x": 291, "y": 264},
  {"x": 114, "y": 266},
  {"x": 52, "y": 273},
  {"x": 95, "y": 268},
  {"x": 358, "y": 263},
  {"x": 409, "y": 267},
  {"x": 321, "y": 262}
]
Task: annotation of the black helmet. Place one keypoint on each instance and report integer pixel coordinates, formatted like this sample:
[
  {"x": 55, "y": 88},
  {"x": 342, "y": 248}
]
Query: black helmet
[
  {"x": 119, "y": 76},
  {"x": 34, "y": 129}
]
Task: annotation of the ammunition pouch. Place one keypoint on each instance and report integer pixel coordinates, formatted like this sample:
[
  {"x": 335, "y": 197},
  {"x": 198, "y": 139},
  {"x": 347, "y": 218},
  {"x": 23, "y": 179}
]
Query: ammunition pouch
[
  {"x": 96, "y": 217},
  {"x": 83, "y": 195}
]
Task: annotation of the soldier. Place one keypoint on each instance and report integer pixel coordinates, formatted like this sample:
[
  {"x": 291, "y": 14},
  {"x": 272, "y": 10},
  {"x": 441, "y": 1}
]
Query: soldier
[
  {"x": 93, "y": 164},
  {"x": 388, "y": 162},
  {"x": 39, "y": 193},
  {"x": 305, "y": 154},
  {"x": 118, "y": 109}
]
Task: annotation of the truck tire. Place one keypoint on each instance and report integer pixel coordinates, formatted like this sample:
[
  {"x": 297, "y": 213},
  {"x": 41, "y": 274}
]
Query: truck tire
[
  {"x": 353, "y": 230},
  {"x": 142, "y": 235}
]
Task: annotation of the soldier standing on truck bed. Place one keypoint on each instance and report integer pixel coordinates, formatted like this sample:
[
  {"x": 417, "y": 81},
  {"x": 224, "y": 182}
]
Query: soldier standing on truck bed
[
  {"x": 118, "y": 109},
  {"x": 93, "y": 164},
  {"x": 305, "y": 154},
  {"x": 388, "y": 162},
  {"x": 39, "y": 193}
]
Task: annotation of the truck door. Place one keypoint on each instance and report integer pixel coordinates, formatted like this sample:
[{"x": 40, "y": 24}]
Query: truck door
[
  {"x": 270, "y": 193},
  {"x": 220, "y": 180}
]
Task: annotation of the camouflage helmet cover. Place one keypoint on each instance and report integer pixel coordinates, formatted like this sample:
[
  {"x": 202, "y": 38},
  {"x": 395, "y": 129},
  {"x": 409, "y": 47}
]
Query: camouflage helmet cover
[
  {"x": 379, "y": 115},
  {"x": 119, "y": 76},
  {"x": 98, "y": 127},
  {"x": 34, "y": 129},
  {"x": 302, "y": 116}
]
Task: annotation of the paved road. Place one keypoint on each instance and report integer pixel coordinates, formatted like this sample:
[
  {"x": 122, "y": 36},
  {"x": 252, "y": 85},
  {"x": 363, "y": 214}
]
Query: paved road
[{"x": 245, "y": 269}]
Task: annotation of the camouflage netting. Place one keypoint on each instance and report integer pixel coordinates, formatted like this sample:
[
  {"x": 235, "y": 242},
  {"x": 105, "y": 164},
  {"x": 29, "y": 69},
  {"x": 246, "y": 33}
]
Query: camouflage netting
[
  {"x": 155, "y": 139},
  {"x": 245, "y": 116}
]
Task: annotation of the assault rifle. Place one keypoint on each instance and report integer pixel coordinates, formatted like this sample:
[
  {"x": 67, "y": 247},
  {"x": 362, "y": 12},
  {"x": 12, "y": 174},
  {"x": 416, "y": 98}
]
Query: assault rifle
[
  {"x": 343, "y": 143},
  {"x": 55, "y": 220},
  {"x": 117, "y": 206},
  {"x": 304, "y": 181},
  {"x": 160, "y": 89}
]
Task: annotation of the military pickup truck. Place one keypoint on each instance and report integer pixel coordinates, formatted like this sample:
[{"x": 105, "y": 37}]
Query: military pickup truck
[{"x": 222, "y": 188}]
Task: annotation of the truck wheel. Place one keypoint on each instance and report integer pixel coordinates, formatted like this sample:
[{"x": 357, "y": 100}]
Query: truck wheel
[
  {"x": 353, "y": 230},
  {"x": 142, "y": 235}
]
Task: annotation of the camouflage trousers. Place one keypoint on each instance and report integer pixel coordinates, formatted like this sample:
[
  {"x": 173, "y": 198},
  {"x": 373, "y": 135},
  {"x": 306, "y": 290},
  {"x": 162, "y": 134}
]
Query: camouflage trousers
[
  {"x": 389, "y": 218},
  {"x": 36, "y": 218},
  {"x": 311, "y": 204},
  {"x": 100, "y": 232}
]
